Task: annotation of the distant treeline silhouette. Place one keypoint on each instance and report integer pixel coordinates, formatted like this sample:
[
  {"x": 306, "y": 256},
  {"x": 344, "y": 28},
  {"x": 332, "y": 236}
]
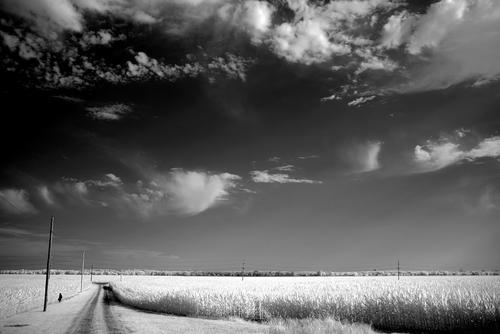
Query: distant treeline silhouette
[{"x": 255, "y": 273}]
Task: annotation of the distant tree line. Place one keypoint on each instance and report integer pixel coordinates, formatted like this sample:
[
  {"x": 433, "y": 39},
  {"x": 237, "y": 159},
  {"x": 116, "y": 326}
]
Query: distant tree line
[{"x": 255, "y": 273}]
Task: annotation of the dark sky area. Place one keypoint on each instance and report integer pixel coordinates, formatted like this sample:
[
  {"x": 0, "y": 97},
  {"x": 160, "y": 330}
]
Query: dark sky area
[{"x": 292, "y": 134}]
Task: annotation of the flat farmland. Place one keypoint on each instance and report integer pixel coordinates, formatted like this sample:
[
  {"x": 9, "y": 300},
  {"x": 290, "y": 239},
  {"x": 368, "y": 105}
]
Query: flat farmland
[{"x": 411, "y": 304}]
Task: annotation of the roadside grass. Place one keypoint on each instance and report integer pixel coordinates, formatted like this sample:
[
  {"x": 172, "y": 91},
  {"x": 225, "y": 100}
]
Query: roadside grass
[{"x": 316, "y": 326}]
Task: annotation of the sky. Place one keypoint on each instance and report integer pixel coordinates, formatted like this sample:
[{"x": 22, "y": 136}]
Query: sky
[{"x": 289, "y": 134}]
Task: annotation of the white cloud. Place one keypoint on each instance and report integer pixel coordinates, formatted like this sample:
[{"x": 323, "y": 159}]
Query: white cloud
[
  {"x": 371, "y": 161},
  {"x": 113, "y": 178},
  {"x": 177, "y": 192},
  {"x": 112, "y": 112},
  {"x": 232, "y": 66},
  {"x": 101, "y": 37},
  {"x": 396, "y": 30},
  {"x": 54, "y": 16},
  {"x": 193, "y": 192},
  {"x": 70, "y": 190},
  {"x": 48, "y": 15},
  {"x": 285, "y": 168},
  {"x": 330, "y": 98},
  {"x": 46, "y": 195},
  {"x": 16, "y": 202},
  {"x": 263, "y": 176},
  {"x": 253, "y": 16},
  {"x": 371, "y": 61},
  {"x": 365, "y": 157},
  {"x": 74, "y": 69},
  {"x": 316, "y": 33},
  {"x": 456, "y": 41},
  {"x": 146, "y": 68},
  {"x": 435, "y": 155},
  {"x": 109, "y": 180},
  {"x": 431, "y": 28},
  {"x": 360, "y": 100},
  {"x": 306, "y": 42},
  {"x": 489, "y": 147}
]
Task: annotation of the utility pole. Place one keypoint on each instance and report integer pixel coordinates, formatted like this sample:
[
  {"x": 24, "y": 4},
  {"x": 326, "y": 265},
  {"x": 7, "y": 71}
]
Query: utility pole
[
  {"x": 242, "y": 270},
  {"x": 398, "y": 269},
  {"x": 47, "y": 271},
  {"x": 83, "y": 268},
  {"x": 91, "y": 269}
]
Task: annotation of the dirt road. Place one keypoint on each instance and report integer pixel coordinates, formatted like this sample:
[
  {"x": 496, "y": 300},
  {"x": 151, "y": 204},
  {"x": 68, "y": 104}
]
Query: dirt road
[{"x": 95, "y": 311}]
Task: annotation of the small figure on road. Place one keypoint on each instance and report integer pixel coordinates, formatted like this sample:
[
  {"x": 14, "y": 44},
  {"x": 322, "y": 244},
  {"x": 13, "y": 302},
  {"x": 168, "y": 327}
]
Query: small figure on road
[{"x": 60, "y": 297}]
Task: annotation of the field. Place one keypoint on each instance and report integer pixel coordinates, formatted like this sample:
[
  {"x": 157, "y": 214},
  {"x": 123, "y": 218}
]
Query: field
[
  {"x": 412, "y": 304},
  {"x": 19, "y": 293}
]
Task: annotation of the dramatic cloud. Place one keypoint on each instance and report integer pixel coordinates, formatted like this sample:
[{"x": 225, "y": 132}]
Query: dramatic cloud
[
  {"x": 435, "y": 155},
  {"x": 316, "y": 33},
  {"x": 440, "y": 19},
  {"x": 177, "y": 192},
  {"x": 264, "y": 176},
  {"x": 16, "y": 202},
  {"x": 111, "y": 112},
  {"x": 194, "y": 192},
  {"x": 380, "y": 46},
  {"x": 455, "y": 40},
  {"x": 253, "y": 16}
]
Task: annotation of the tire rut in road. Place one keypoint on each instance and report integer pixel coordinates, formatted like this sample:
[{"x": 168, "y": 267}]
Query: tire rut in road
[
  {"x": 83, "y": 324},
  {"x": 97, "y": 316},
  {"x": 112, "y": 325}
]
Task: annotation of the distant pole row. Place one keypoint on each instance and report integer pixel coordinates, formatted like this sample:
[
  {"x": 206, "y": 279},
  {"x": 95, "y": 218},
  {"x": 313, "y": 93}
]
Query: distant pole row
[{"x": 47, "y": 271}]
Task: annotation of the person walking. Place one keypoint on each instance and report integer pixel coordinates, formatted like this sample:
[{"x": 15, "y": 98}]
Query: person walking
[{"x": 60, "y": 297}]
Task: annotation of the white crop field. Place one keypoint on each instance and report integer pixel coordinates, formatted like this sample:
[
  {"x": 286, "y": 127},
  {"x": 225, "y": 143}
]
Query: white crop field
[
  {"x": 19, "y": 293},
  {"x": 466, "y": 303}
]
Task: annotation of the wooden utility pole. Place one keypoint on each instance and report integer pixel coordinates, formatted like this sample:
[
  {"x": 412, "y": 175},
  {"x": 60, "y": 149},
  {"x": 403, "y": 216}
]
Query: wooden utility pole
[
  {"x": 47, "y": 271},
  {"x": 83, "y": 268},
  {"x": 243, "y": 270},
  {"x": 398, "y": 269}
]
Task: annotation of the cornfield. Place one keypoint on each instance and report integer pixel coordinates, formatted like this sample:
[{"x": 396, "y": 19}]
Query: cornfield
[{"x": 425, "y": 304}]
